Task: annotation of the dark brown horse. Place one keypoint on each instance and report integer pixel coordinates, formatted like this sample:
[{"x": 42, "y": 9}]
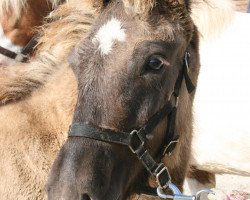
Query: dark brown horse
[{"x": 129, "y": 67}]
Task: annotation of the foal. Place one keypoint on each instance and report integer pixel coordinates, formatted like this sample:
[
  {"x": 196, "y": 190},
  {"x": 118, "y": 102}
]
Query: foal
[
  {"x": 32, "y": 130},
  {"x": 124, "y": 78}
]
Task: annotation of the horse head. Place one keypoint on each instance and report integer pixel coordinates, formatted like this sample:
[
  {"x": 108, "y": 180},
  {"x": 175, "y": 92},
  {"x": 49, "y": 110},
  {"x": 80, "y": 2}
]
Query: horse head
[{"x": 128, "y": 68}]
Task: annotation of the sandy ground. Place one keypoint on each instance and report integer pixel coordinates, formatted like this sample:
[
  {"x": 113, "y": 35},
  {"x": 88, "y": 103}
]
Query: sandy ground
[
  {"x": 232, "y": 182},
  {"x": 232, "y": 187}
]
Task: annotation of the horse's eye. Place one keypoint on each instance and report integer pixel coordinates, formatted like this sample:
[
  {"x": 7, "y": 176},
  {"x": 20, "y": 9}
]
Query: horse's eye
[{"x": 155, "y": 63}]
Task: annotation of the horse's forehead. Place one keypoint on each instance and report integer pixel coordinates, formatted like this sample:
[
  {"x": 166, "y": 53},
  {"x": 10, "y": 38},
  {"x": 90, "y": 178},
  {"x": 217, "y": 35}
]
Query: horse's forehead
[
  {"x": 116, "y": 31},
  {"x": 110, "y": 32}
]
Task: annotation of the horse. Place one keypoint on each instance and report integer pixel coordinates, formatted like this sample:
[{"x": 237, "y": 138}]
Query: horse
[
  {"x": 132, "y": 102},
  {"x": 29, "y": 148},
  {"x": 19, "y": 19},
  {"x": 16, "y": 85},
  {"x": 41, "y": 118},
  {"x": 221, "y": 134}
]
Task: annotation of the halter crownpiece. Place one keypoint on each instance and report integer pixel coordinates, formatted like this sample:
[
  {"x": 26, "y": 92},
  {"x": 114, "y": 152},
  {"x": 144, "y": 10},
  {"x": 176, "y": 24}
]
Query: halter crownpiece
[{"x": 135, "y": 140}]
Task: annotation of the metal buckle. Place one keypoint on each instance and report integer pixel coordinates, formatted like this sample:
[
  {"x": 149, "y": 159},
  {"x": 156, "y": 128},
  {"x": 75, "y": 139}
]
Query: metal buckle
[
  {"x": 135, "y": 139},
  {"x": 170, "y": 147},
  {"x": 160, "y": 173}
]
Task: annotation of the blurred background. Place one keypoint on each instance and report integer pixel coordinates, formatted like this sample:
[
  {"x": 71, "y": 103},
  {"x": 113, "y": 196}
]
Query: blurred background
[{"x": 241, "y": 5}]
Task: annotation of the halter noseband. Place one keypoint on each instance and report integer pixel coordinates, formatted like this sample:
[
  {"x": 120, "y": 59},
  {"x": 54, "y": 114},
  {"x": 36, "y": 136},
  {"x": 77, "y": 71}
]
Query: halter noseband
[{"x": 135, "y": 140}]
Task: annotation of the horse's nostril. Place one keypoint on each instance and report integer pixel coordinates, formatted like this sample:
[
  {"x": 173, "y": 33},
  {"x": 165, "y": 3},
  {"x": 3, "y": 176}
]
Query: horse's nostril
[{"x": 85, "y": 197}]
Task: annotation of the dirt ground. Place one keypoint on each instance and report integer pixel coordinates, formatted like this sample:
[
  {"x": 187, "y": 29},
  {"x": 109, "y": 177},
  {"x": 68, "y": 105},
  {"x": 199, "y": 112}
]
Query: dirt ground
[
  {"x": 232, "y": 182},
  {"x": 236, "y": 187}
]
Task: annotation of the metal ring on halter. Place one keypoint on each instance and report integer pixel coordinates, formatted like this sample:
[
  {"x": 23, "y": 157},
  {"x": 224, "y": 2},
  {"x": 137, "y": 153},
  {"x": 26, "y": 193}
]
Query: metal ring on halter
[
  {"x": 172, "y": 187},
  {"x": 207, "y": 191}
]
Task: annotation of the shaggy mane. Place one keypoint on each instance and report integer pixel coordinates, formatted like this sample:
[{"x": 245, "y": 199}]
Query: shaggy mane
[
  {"x": 69, "y": 25},
  {"x": 140, "y": 6},
  {"x": 16, "y": 6}
]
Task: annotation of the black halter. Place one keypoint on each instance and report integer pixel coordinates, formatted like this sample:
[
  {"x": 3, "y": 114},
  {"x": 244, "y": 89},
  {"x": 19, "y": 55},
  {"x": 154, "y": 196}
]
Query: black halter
[
  {"x": 135, "y": 140},
  {"x": 24, "y": 54}
]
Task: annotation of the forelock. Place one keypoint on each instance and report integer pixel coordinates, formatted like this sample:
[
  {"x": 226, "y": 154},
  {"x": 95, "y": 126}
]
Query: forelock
[{"x": 139, "y": 6}]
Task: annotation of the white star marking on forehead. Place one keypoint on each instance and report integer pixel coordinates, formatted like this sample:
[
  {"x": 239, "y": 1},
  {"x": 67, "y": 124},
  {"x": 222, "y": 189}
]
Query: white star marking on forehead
[{"x": 107, "y": 34}]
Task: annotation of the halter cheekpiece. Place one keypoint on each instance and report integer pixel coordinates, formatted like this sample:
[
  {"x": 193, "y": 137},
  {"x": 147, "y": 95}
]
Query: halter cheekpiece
[{"x": 135, "y": 140}]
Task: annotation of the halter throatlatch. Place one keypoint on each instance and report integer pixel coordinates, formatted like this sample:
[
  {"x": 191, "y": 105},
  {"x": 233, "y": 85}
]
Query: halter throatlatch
[{"x": 135, "y": 140}]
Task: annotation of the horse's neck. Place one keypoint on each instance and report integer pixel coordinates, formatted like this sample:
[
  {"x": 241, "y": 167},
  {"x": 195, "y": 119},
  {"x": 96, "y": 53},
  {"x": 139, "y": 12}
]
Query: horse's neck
[
  {"x": 31, "y": 133},
  {"x": 58, "y": 97}
]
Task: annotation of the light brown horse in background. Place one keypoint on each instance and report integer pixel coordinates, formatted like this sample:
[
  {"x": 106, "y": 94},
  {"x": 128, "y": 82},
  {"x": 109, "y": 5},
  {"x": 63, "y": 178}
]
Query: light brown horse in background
[
  {"x": 33, "y": 130},
  {"x": 18, "y": 22}
]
